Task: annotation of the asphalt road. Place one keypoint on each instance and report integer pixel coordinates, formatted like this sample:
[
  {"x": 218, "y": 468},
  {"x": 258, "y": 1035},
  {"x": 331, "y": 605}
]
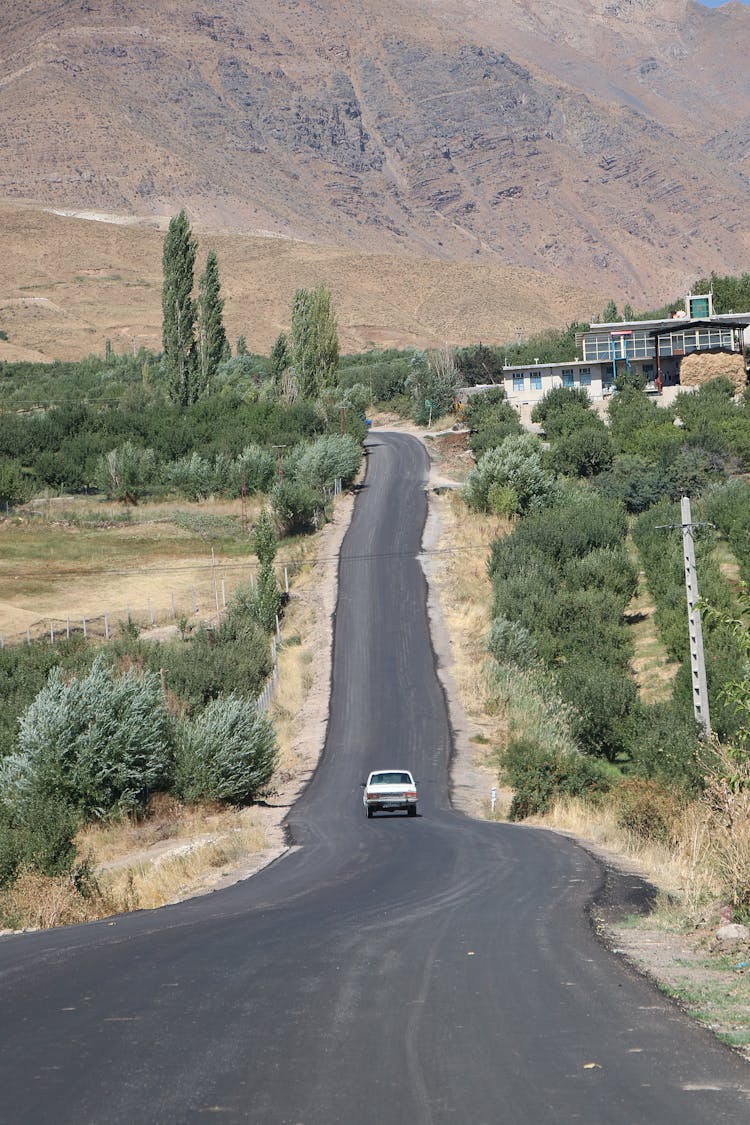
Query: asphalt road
[{"x": 425, "y": 971}]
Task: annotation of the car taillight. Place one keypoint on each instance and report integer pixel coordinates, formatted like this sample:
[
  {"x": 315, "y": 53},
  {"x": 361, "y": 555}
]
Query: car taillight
[
  {"x": 371, "y": 796},
  {"x": 411, "y": 793}
]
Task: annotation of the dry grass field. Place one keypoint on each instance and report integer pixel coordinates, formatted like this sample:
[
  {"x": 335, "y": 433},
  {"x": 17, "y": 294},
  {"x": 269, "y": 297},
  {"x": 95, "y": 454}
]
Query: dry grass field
[
  {"x": 67, "y": 284},
  {"x": 67, "y": 558}
]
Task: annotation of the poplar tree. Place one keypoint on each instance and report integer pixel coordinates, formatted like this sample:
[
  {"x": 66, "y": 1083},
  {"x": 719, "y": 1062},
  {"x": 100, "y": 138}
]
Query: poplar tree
[
  {"x": 178, "y": 310},
  {"x": 314, "y": 340},
  {"x": 212, "y": 339},
  {"x": 325, "y": 335},
  {"x": 302, "y": 345},
  {"x": 279, "y": 356},
  {"x": 266, "y": 601}
]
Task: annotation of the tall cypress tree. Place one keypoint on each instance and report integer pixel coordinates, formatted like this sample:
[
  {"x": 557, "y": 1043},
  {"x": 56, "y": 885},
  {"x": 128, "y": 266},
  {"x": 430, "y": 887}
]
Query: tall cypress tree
[
  {"x": 178, "y": 310},
  {"x": 212, "y": 339}
]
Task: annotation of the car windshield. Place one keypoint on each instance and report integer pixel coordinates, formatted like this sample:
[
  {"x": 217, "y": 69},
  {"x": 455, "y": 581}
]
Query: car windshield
[{"x": 392, "y": 778}]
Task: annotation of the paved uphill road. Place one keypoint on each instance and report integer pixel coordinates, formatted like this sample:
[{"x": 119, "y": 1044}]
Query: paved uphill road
[{"x": 423, "y": 971}]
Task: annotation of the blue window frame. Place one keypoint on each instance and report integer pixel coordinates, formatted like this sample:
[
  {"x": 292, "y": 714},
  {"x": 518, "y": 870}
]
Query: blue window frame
[
  {"x": 518, "y": 382},
  {"x": 536, "y": 380},
  {"x": 584, "y": 374},
  {"x": 567, "y": 377}
]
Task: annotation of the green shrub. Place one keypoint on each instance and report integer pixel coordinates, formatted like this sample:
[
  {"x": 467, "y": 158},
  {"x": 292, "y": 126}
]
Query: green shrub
[
  {"x": 48, "y": 826},
  {"x": 228, "y": 753},
  {"x": 583, "y": 452},
  {"x": 329, "y": 457},
  {"x": 579, "y": 524},
  {"x": 126, "y": 472},
  {"x": 538, "y": 777},
  {"x": 99, "y": 741},
  {"x": 510, "y": 641},
  {"x": 433, "y": 382},
  {"x": 260, "y": 470},
  {"x": 295, "y": 505},
  {"x": 606, "y": 568},
  {"x": 10, "y": 852},
  {"x": 647, "y": 809},
  {"x": 560, "y": 401},
  {"x": 515, "y": 464},
  {"x": 664, "y": 744},
  {"x": 491, "y": 419},
  {"x": 635, "y": 482},
  {"x": 12, "y": 487},
  {"x": 603, "y": 697}
]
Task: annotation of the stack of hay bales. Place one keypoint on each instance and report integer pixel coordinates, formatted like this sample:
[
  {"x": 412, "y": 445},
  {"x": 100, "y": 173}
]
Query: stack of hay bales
[{"x": 701, "y": 367}]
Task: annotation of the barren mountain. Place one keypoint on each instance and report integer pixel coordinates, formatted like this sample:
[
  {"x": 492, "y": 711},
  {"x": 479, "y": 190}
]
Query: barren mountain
[{"x": 601, "y": 143}]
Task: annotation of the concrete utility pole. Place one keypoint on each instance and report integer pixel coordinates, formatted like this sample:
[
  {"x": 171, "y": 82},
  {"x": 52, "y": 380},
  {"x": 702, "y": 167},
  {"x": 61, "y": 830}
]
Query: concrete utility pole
[
  {"x": 697, "y": 659},
  {"x": 695, "y": 628}
]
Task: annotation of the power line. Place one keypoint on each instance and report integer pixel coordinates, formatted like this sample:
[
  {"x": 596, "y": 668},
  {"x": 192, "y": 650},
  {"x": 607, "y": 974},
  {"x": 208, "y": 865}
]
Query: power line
[{"x": 252, "y": 564}]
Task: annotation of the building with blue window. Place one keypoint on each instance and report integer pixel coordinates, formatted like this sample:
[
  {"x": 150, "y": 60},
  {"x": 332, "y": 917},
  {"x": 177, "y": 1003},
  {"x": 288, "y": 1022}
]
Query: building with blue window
[{"x": 652, "y": 349}]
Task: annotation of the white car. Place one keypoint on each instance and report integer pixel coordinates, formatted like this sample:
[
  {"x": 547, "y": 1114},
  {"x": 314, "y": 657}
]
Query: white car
[{"x": 389, "y": 791}]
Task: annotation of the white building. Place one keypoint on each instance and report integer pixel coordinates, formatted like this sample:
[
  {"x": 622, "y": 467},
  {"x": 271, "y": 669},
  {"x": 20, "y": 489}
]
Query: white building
[{"x": 650, "y": 348}]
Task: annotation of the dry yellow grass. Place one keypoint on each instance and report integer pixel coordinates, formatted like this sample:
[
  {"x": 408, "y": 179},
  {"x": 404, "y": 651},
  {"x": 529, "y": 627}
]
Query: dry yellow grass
[
  {"x": 461, "y": 578},
  {"x": 54, "y": 567},
  {"x": 210, "y": 843},
  {"x": 683, "y": 869},
  {"x": 652, "y": 666}
]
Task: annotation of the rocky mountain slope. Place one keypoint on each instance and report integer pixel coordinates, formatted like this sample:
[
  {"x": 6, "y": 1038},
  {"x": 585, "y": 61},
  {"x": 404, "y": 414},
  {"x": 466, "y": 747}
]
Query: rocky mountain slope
[{"x": 603, "y": 143}]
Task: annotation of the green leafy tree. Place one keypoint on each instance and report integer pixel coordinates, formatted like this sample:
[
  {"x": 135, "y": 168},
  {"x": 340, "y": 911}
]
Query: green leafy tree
[
  {"x": 433, "y": 384},
  {"x": 178, "y": 310},
  {"x": 266, "y": 600},
  {"x": 609, "y": 314},
  {"x": 314, "y": 340},
  {"x": 583, "y": 453},
  {"x": 125, "y": 472},
  {"x": 325, "y": 335},
  {"x": 212, "y": 339},
  {"x": 11, "y": 483},
  {"x": 302, "y": 347},
  {"x": 279, "y": 356},
  {"x": 264, "y": 539}
]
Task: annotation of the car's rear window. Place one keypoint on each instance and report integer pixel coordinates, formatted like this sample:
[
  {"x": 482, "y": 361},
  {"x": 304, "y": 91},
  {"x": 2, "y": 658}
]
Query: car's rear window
[{"x": 392, "y": 778}]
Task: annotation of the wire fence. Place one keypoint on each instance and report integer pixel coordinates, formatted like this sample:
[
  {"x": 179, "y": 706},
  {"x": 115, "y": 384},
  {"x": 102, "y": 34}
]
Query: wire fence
[
  {"x": 204, "y": 599},
  {"x": 106, "y": 626}
]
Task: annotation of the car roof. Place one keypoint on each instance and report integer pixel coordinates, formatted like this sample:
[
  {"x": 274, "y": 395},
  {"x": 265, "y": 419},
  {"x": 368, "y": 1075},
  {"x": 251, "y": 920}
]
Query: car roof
[{"x": 392, "y": 769}]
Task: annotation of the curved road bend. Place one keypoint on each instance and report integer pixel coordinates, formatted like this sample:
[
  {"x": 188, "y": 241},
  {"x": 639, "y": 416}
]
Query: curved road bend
[{"x": 424, "y": 971}]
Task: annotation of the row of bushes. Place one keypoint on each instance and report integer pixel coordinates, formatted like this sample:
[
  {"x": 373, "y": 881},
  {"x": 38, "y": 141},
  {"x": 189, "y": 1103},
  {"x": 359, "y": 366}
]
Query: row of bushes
[
  {"x": 88, "y": 732},
  {"x": 130, "y": 471},
  {"x": 103, "y": 742},
  {"x": 562, "y": 580},
  {"x": 647, "y": 453},
  {"x": 63, "y": 447}
]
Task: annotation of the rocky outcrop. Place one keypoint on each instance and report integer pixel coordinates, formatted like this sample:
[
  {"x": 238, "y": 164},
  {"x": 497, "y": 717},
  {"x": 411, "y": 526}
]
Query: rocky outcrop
[{"x": 578, "y": 138}]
